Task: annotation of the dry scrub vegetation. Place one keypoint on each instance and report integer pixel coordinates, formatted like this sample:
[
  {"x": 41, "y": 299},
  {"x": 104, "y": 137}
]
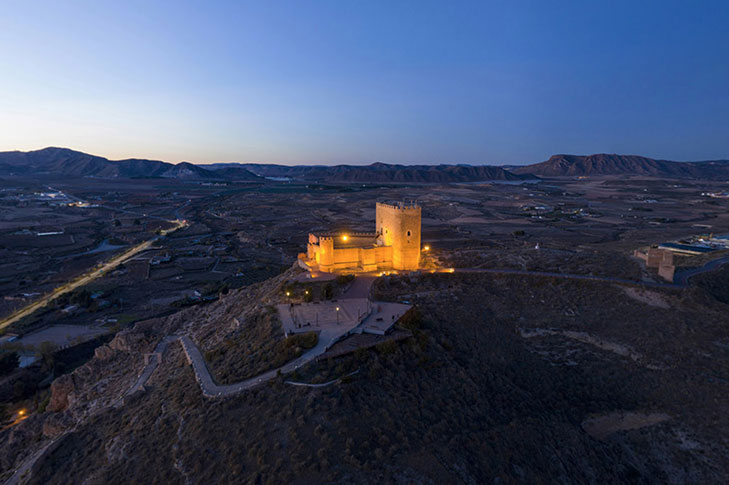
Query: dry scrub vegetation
[
  {"x": 545, "y": 259},
  {"x": 259, "y": 346},
  {"x": 466, "y": 399}
]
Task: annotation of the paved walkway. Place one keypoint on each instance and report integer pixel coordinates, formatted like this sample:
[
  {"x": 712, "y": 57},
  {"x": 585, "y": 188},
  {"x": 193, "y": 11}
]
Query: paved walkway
[
  {"x": 151, "y": 366},
  {"x": 210, "y": 389},
  {"x": 360, "y": 287},
  {"x": 324, "y": 384}
]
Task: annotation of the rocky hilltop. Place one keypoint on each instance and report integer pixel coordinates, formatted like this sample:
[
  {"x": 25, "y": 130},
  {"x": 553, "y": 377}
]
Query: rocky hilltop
[
  {"x": 70, "y": 163},
  {"x": 607, "y": 164},
  {"x": 479, "y": 392}
]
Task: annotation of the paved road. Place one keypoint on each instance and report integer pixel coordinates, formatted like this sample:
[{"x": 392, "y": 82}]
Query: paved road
[
  {"x": 680, "y": 279},
  {"x": 607, "y": 279},
  {"x": 86, "y": 278},
  {"x": 683, "y": 277}
]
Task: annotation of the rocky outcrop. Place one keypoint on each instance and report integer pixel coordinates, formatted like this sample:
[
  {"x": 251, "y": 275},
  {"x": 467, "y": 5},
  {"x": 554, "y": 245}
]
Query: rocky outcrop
[
  {"x": 56, "y": 424},
  {"x": 612, "y": 164},
  {"x": 103, "y": 352},
  {"x": 127, "y": 341},
  {"x": 61, "y": 389}
]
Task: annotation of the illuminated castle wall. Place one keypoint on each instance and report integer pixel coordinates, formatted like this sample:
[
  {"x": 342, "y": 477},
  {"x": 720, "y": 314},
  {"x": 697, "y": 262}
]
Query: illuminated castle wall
[{"x": 395, "y": 245}]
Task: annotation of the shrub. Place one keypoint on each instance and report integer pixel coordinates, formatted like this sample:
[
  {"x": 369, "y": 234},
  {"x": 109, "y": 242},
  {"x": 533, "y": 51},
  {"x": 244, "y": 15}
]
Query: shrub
[
  {"x": 343, "y": 279},
  {"x": 9, "y": 361}
]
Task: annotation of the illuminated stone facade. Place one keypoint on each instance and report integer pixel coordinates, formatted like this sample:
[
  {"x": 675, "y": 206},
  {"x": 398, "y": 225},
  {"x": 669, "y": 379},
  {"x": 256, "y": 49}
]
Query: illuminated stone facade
[{"x": 395, "y": 245}]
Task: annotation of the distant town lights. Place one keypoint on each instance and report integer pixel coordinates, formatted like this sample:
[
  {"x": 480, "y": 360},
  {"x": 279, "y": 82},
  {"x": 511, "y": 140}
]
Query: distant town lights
[{"x": 426, "y": 248}]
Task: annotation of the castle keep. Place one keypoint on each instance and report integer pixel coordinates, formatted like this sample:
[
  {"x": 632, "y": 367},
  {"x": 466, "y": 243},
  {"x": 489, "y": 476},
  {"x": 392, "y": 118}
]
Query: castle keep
[{"x": 395, "y": 244}]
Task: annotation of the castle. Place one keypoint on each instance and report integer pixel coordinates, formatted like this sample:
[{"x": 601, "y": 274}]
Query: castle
[{"x": 395, "y": 244}]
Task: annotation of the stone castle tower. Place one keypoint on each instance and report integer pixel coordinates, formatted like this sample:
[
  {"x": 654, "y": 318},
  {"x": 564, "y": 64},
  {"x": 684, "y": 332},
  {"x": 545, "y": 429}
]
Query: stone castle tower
[{"x": 398, "y": 225}]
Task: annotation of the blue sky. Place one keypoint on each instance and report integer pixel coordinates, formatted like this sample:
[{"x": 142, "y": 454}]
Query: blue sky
[{"x": 362, "y": 81}]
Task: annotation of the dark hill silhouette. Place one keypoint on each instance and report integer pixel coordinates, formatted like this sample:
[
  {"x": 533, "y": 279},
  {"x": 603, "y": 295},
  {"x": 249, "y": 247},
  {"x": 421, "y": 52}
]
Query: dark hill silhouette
[
  {"x": 610, "y": 164},
  {"x": 383, "y": 173},
  {"x": 71, "y": 163},
  {"x": 65, "y": 162}
]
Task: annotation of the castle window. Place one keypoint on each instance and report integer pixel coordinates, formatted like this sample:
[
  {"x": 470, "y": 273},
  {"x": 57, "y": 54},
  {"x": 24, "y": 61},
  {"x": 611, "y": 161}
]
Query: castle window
[{"x": 408, "y": 233}]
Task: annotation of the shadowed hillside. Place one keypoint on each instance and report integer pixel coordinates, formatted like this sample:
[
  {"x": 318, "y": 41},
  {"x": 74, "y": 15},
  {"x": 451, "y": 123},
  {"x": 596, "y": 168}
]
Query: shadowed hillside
[
  {"x": 605, "y": 164},
  {"x": 473, "y": 396}
]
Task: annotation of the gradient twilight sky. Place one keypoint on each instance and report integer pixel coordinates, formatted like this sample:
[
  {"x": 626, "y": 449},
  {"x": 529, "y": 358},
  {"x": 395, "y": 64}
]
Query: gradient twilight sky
[{"x": 348, "y": 81}]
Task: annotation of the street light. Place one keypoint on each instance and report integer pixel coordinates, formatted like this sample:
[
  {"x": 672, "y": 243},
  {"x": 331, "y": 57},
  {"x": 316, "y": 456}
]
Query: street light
[
  {"x": 426, "y": 248},
  {"x": 337, "y": 315},
  {"x": 344, "y": 238}
]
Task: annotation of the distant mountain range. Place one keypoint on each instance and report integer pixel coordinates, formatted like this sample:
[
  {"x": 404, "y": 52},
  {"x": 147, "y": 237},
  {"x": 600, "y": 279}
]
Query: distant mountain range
[
  {"x": 383, "y": 173},
  {"x": 605, "y": 164},
  {"x": 65, "y": 162},
  {"x": 69, "y": 163}
]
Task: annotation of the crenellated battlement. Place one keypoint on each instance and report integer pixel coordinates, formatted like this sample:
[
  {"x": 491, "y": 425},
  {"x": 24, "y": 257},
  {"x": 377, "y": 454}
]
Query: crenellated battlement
[
  {"x": 399, "y": 206},
  {"x": 332, "y": 235}
]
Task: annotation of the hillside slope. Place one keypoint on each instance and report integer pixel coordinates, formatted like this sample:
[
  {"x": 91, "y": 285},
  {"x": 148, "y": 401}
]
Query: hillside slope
[
  {"x": 70, "y": 163},
  {"x": 467, "y": 399},
  {"x": 607, "y": 164},
  {"x": 384, "y": 173}
]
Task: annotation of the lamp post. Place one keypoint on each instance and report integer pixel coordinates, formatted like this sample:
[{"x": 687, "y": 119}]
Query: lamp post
[{"x": 337, "y": 315}]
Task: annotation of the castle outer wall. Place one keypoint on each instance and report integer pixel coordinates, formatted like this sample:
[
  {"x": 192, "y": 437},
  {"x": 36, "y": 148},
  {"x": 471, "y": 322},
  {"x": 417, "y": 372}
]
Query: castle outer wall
[
  {"x": 331, "y": 259},
  {"x": 394, "y": 246}
]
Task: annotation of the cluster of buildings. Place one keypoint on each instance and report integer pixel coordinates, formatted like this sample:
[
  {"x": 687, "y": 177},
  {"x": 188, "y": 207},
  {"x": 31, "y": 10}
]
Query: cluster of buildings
[{"x": 660, "y": 257}]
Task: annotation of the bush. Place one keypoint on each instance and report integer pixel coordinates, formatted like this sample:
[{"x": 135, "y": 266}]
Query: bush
[
  {"x": 306, "y": 340},
  {"x": 327, "y": 292},
  {"x": 9, "y": 361},
  {"x": 343, "y": 279}
]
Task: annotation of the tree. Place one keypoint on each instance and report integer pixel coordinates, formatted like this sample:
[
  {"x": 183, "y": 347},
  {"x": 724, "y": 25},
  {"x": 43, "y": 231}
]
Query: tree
[
  {"x": 9, "y": 361},
  {"x": 343, "y": 279},
  {"x": 46, "y": 350},
  {"x": 82, "y": 298}
]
